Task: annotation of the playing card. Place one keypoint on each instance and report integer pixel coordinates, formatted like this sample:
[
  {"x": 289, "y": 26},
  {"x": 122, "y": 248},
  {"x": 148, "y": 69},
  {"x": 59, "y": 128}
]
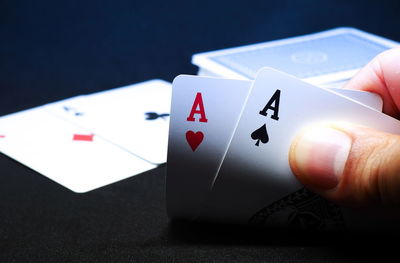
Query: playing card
[
  {"x": 317, "y": 58},
  {"x": 256, "y": 172},
  {"x": 135, "y": 118},
  {"x": 67, "y": 154},
  {"x": 203, "y": 116}
]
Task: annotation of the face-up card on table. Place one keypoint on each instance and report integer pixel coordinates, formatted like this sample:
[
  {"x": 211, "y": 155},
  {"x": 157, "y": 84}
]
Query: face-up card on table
[
  {"x": 135, "y": 118},
  {"x": 256, "y": 171},
  {"x": 66, "y": 153},
  {"x": 204, "y": 114}
]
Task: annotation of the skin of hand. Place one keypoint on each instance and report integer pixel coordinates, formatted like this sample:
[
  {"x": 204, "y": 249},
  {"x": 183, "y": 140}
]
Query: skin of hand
[{"x": 352, "y": 165}]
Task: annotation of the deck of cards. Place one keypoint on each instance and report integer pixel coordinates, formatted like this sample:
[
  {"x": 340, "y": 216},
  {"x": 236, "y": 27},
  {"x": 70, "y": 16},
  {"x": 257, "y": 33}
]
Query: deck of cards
[{"x": 327, "y": 58}]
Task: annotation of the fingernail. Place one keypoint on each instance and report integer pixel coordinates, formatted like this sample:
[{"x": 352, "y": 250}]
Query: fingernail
[{"x": 320, "y": 156}]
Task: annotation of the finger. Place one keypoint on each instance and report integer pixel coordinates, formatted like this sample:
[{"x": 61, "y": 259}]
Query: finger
[
  {"x": 348, "y": 164},
  {"x": 381, "y": 76}
]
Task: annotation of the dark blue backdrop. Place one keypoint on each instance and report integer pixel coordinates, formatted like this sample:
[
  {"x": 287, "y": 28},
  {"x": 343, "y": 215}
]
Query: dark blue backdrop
[{"x": 54, "y": 49}]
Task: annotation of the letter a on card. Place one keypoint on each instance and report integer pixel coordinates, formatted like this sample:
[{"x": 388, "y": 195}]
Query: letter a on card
[
  {"x": 198, "y": 108},
  {"x": 195, "y": 138}
]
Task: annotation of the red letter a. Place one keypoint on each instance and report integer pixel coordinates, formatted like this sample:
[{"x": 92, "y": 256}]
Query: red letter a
[{"x": 198, "y": 103}]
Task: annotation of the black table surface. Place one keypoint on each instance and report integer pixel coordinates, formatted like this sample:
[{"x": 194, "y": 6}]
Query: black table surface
[{"x": 51, "y": 50}]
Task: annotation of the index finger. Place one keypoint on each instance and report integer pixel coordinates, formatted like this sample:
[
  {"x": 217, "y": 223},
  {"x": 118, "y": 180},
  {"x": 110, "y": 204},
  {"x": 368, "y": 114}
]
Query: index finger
[{"x": 381, "y": 76}]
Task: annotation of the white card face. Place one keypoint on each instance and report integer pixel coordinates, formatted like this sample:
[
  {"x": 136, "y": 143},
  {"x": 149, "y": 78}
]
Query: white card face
[
  {"x": 256, "y": 171},
  {"x": 204, "y": 114},
  {"x": 369, "y": 99},
  {"x": 135, "y": 118},
  {"x": 65, "y": 153}
]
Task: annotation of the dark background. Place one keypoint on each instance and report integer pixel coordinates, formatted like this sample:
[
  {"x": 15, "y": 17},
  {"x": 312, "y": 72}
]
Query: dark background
[{"x": 50, "y": 50}]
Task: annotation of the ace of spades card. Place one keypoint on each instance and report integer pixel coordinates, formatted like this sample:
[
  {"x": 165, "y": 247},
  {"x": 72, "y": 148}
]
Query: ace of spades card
[{"x": 255, "y": 171}]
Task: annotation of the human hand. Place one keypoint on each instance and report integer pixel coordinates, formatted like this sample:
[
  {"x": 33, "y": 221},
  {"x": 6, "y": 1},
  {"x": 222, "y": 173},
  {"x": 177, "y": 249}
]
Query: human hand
[{"x": 354, "y": 165}]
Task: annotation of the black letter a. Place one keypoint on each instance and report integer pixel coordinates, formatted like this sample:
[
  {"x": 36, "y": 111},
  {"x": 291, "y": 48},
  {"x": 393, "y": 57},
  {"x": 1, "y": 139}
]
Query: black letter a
[{"x": 275, "y": 107}]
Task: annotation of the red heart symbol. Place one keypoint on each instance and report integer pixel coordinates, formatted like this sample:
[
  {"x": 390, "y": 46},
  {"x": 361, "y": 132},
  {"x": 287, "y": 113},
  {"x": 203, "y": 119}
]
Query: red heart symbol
[
  {"x": 194, "y": 139},
  {"x": 83, "y": 137}
]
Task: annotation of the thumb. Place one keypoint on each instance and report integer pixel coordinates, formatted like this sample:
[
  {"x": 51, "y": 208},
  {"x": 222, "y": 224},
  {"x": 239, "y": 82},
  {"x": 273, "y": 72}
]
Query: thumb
[{"x": 347, "y": 164}]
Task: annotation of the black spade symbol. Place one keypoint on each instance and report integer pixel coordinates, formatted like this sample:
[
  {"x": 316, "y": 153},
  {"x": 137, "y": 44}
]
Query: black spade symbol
[{"x": 260, "y": 134}]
